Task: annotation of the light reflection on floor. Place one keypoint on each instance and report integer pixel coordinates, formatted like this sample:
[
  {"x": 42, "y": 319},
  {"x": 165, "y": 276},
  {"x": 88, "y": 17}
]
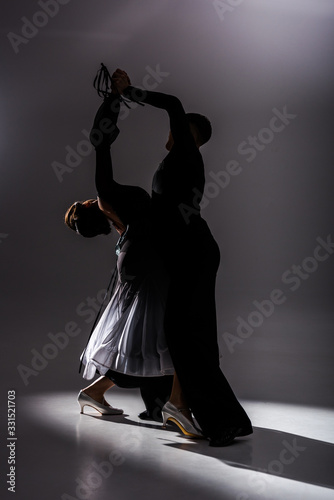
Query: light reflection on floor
[{"x": 65, "y": 455}]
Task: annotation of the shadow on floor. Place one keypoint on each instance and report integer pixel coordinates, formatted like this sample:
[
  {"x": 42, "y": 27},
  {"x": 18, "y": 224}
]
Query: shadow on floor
[{"x": 275, "y": 453}]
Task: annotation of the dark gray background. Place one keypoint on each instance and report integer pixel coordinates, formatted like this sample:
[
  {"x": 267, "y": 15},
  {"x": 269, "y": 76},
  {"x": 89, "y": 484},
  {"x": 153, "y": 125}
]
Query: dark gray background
[{"x": 235, "y": 68}]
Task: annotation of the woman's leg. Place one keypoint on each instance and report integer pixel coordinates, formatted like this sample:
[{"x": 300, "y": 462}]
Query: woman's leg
[
  {"x": 178, "y": 399},
  {"x": 177, "y": 411},
  {"x": 97, "y": 389}
]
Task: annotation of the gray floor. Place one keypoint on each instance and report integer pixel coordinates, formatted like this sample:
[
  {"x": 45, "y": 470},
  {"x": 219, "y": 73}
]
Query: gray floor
[{"x": 65, "y": 455}]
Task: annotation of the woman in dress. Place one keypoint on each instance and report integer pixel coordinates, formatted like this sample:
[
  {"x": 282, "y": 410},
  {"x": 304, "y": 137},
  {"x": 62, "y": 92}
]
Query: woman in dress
[{"x": 128, "y": 346}]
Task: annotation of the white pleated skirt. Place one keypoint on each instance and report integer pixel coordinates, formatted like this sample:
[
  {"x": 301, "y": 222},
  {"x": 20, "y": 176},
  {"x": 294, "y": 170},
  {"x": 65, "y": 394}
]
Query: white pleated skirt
[{"x": 129, "y": 337}]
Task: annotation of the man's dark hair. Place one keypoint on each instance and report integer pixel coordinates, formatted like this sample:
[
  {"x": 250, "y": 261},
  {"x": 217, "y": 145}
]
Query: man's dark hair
[{"x": 202, "y": 124}]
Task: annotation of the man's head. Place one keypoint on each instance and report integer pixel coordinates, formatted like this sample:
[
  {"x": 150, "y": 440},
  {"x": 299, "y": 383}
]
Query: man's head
[
  {"x": 87, "y": 219},
  {"x": 200, "y": 127}
]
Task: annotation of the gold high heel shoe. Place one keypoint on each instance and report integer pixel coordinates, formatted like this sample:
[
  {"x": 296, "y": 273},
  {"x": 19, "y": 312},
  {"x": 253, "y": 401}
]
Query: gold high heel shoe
[
  {"x": 85, "y": 400},
  {"x": 173, "y": 414}
]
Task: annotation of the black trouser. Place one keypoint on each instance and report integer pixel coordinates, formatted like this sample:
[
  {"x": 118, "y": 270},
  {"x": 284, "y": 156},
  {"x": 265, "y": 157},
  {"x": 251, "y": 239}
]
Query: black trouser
[
  {"x": 191, "y": 332},
  {"x": 155, "y": 391}
]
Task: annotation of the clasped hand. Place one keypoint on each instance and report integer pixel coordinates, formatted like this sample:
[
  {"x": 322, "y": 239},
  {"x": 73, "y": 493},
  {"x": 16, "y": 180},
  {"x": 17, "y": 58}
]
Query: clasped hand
[{"x": 120, "y": 80}]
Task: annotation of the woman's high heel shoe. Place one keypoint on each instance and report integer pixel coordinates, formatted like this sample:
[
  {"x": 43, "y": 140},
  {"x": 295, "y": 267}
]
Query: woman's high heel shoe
[
  {"x": 85, "y": 400},
  {"x": 173, "y": 414}
]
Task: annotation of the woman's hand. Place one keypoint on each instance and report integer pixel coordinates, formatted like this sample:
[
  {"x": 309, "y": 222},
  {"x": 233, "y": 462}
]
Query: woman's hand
[{"x": 120, "y": 80}]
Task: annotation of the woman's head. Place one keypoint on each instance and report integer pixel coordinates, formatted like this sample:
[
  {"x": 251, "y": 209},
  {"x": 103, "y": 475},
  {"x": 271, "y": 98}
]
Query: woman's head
[{"x": 87, "y": 219}]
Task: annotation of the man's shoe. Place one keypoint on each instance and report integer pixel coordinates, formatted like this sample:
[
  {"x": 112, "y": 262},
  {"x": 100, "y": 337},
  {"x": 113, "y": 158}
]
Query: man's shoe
[
  {"x": 146, "y": 415},
  {"x": 228, "y": 435}
]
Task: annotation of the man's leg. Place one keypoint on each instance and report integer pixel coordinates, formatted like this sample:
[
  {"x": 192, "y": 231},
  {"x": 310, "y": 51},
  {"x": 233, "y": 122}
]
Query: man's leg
[
  {"x": 155, "y": 391},
  {"x": 191, "y": 333}
]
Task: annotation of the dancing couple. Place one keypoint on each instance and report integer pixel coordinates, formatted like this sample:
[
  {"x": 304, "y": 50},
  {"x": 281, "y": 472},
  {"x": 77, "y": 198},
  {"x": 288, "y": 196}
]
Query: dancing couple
[{"x": 158, "y": 331}]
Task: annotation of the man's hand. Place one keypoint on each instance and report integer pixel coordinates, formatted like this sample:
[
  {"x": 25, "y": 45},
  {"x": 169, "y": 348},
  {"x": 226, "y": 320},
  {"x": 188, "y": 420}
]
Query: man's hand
[{"x": 120, "y": 80}]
